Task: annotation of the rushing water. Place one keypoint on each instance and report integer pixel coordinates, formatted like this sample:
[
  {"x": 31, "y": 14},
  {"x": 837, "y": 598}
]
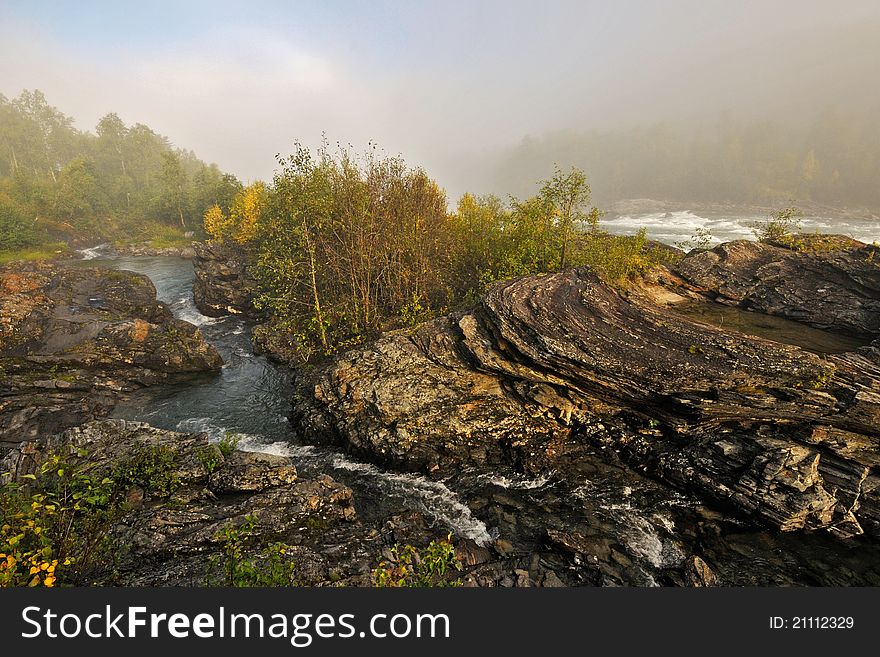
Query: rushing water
[
  {"x": 679, "y": 226},
  {"x": 250, "y": 398},
  {"x": 656, "y": 526}
]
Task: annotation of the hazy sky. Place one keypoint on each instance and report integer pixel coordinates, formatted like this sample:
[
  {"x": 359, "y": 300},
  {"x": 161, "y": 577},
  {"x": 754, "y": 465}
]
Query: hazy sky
[{"x": 443, "y": 83}]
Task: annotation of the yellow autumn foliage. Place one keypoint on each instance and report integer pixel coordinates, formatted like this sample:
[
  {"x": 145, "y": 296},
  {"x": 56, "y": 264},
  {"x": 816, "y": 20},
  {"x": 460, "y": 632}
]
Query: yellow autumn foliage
[
  {"x": 216, "y": 222},
  {"x": 240, "y": 225}
]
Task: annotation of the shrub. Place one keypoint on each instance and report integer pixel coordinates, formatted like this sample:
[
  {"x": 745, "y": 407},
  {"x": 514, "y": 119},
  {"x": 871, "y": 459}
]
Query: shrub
[
  {"x": 228, "y": 443},
  {"x": 410, "y": 568},
  {"x": 151, "y": 468},
  {"x": 210, "y": 457},
  {"x": 780, "y": 227},
  {"x": 236, "y": 566},
  {"x": 54, "y": 526},
  {"x": 700, "y": 240}
]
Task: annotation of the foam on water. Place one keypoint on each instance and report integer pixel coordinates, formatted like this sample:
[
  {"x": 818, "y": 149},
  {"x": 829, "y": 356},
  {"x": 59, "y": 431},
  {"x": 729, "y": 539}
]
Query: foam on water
[
  {"x": 185, "y": 308},
  {"x": 648, "y": 536},
  {"x": 433, "y": 498},
  {"x": 94, "y": 252},
  {"x": 515, "y": 482},
  {"x": 674, "y": 227}
]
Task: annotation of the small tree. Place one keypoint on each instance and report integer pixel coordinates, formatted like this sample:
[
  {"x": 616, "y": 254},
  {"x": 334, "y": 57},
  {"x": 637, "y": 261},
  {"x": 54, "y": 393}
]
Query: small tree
[
  {"x": 780, "y": 227},
  {"x": 569, "y": 196}
]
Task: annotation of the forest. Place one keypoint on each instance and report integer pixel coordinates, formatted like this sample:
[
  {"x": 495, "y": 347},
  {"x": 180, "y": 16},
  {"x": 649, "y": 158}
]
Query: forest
[
  {"x": 60, "y": 185},
  {"x": 831, "y": 159}
]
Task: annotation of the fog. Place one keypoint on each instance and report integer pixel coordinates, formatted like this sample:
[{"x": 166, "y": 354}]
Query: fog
[{"x": 485, "y": 95}]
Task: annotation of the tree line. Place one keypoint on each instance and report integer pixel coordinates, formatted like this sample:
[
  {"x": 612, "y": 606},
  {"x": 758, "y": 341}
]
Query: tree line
[
  {"x": 832, "y": 159},
  {"x": 60, "y": 183},
  {"x": 347, "y": 245}
]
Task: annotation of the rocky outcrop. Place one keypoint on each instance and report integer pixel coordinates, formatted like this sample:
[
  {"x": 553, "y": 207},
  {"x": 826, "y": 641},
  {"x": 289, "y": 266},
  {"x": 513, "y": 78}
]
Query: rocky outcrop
[
  {"x": 179, "y": 506},
  {"x": 830, "y": 282},
  {"x": 167, "y": 536},
  {"x": 72, "y": 340},
  {"x": 145, "y": 250},
  {"x": 547, "y": 364},
  {"x": 223, "y": 284}
]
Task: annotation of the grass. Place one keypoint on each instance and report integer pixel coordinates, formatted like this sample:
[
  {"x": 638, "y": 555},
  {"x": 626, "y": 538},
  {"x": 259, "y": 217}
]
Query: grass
[
  {"x": 44, "y": 252},
  {"x": 157, "y": 236}
]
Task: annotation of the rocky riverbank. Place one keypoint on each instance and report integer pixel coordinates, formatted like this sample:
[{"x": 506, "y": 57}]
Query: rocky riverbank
[
  {"x": 73, "y": 340},
  {"x": 546, "y": 367},
  {"x": 181, "y": 497}
]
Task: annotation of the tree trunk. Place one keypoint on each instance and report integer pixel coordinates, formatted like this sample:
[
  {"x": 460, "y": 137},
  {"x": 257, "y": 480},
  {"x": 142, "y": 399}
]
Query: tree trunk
[{"x": 319, "y": 316}]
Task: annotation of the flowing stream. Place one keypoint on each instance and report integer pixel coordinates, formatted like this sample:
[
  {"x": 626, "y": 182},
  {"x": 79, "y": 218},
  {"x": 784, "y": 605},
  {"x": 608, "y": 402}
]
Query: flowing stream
[{"x": 251, "y": 399}]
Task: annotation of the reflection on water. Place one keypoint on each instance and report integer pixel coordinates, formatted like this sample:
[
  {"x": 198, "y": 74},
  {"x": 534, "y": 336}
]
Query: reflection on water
[{"x": 769, "y": 327}]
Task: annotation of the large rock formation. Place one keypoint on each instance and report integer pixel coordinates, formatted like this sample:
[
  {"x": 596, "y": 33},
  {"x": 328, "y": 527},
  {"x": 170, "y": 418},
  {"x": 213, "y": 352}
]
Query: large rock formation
[
  {"x": 830, "y": 282},
  {"x": 546, "y": 364},
  {"x": 165, "y": 524},
  {"x": 223, "y": 284},
  {"x": 73, "y": 339}
]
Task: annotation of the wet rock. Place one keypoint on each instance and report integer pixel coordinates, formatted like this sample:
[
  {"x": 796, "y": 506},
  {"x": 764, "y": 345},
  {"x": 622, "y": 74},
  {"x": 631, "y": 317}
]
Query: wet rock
[
  {"x": 72, "y": 340},
  {"x": 223, "y": 284},
  {"x": 833, "y": 283},
  {"x": 551, "y": 580},
  {"x": 698, "y": 573},
  {"x": 577, "y": 546},
  {"x": 523, "y": 580},
  {"x": 251, "y": 471}
]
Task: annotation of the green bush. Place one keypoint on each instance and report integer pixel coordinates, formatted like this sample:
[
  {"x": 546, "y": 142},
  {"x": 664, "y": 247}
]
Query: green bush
[
  {"x": 210, "y": 457},
  {"x": 780, "y": 227},
  {"x": 151, "y": 468},
  {"x": 16, "y": 232},
  {"x": 54, "y": 525},
  {"x": 435, "y": 566},
  {"x": 228, "y": 443},
  {"x": 239, "y": 566}
]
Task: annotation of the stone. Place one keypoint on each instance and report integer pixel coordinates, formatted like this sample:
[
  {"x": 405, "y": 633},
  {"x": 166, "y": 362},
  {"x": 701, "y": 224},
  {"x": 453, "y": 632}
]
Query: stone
[
  {"x": 835, "y": 288},
  {"x": 252, "y": 471},
  {"x": 698, "y": 573},
  {"x": 223, "y": 283}
]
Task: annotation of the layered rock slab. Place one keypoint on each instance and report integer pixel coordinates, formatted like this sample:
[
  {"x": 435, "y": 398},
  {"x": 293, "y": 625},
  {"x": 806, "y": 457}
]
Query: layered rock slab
[{"x": 544, "y": 363}]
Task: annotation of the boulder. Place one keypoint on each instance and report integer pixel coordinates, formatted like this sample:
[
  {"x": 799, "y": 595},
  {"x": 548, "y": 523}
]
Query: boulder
[
  {"x": 223, "y": 283},
  {"x": 831, "y": 282}
]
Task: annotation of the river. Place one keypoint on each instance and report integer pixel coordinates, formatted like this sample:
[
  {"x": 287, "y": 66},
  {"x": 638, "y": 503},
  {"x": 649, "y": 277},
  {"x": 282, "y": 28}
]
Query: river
[{"x": 653, "y": 527}]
